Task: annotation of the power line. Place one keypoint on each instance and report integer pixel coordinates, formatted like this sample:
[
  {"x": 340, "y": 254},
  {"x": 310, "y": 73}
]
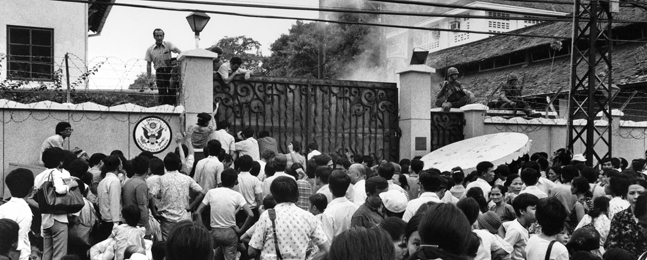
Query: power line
[
  {"x": 313, "y": 19},
  {"x": 364, "y": 11},
  {"x": 407, "y": 2}
]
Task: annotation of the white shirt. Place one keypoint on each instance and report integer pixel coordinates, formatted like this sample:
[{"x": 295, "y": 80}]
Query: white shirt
[
  {"x": 226, "y": 140},
  {"x": 350, "y": 192},
  {"x": 481, "y": 183},
  {"x": 616, "y": 205},
  {"x": 249, "y": 186},
  {"x": 545, "y": 185},
  {"x": 602, "y": 224},
  {"x": 517, "y": 236},
  {"x": 359, "y": 192},
  {"x": 489, "y": 244},
  {"x": 207, "y": 172},
  {"x": 249, "y": 147},
  {"x": 224, "y": 203},
  {"x": 414, "y": 204},
  {"x": 312, "y": 154},
  {"x": 538, "y": 247},
  {"x": 268, "y": 182},
  {"x": 336, "y": 218},
  {"x": 534, "y": 190},
  {"x": 18, "y": 210}
]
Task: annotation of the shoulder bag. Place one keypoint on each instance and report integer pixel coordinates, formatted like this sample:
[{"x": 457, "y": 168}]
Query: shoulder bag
[
  {"x": 550, "y": 248},
  {"x": 272, "y": 214},
  {"x": 50, "y": 202}
]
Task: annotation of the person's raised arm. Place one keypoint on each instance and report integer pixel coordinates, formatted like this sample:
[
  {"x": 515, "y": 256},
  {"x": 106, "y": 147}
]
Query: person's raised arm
[{"x": 213, "y": 116}]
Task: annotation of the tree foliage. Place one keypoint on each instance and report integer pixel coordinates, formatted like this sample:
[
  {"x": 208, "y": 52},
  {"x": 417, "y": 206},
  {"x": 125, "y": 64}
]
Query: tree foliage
[
  {"x": 246, "y": 48},
  {"x": 345, "y": 47}
]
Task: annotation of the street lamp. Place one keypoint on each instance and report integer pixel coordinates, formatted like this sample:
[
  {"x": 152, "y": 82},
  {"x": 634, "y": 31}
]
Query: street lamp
[{"x": 197, "y": 21}]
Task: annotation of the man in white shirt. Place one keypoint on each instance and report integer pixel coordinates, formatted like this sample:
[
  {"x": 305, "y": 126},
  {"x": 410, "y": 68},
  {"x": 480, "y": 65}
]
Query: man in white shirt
[
  {"x": 228, "y": 71},
  {"x": 530, "y": 177},
  {"x": 20, "y": 183},
  {"x": 323, "y": 175},
  {"x": 485, "y": 172},
  {"x": 225, "y": 202},
  {"x": 250, "y": 187},
  {"x": 337, "y": 216},
  {"x": 266, "y": 157},
  {"x": 430, "y": 183},
  {"x": 279, "y": 164},
  {"x": 357, "y": 173},
  {"x": 208, "y": 170},
  {"x": 63, "y": 131},
  {"x": 387, "y": 171},
  {"x": 227, "y": 141},
  {"x": 312, "y": 151},
  {"x": 249, "y": 145}
]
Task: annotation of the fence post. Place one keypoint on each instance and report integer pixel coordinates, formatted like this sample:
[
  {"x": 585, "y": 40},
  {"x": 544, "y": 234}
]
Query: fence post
[
  {"x": 415, "y": 104},
  {"x": 196, "y": 88},
  {"x": 474, "y": 120},
  {"x": 67, "y": 76}
]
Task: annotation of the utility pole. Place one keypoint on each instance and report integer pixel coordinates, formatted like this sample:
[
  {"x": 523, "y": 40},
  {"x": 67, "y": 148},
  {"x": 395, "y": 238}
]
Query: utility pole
[
  {"x": 67, "y": 76},
  {"x": 591, "y": 91}
]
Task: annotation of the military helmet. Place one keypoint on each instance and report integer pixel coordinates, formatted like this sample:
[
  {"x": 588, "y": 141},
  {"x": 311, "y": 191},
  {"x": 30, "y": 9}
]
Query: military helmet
[
  {"x": 512, "y": 76},
  {"x": 452, "y": 71}
]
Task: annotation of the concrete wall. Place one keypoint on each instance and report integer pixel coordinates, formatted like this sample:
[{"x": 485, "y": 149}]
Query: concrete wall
[
  {"x": 97, "y": 129},
  {"x": 68, "y": 20}
]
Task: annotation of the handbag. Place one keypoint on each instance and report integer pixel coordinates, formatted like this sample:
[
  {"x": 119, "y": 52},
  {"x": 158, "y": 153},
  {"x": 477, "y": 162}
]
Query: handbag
[{"x": 50, "y": 202}]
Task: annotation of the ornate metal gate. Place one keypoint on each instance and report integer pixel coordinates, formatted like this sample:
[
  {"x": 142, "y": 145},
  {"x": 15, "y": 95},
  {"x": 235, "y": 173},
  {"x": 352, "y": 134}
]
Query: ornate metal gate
[
  {"x": 340, "y": 116},
  {"x": 446, "y": 128}
]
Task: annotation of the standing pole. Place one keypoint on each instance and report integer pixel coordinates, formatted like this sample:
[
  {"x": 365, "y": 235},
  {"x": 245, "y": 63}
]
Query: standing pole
[
  {"x": 197, "y": 40},
  {"x": 67, "y": 75}
]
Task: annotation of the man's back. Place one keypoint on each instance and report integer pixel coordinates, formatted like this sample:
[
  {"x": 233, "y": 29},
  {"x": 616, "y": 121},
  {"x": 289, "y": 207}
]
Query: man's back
[
  {"x": 226, "y": 140},
  {"x": 337, "y": 216},
  {"x": 249, "y": 186},
  {"x": 135, "y": 192},
  {"x": 267, "y": 144},
  {"x": 174, "y": 195},
  {"x": 224, "y": 204},
  {"x": 295, "y": 228},
  {"x": 207, "y": 172}
]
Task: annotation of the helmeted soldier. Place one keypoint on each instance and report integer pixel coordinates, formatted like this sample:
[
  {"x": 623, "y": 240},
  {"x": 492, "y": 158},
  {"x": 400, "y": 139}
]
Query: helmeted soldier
[
  {"x": 452, "y": 94},
  {"x": 510, "y": 97}
]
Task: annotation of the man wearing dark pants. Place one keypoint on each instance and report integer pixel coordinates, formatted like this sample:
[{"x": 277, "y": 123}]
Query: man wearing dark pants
[{"x": 160, "y": 55}]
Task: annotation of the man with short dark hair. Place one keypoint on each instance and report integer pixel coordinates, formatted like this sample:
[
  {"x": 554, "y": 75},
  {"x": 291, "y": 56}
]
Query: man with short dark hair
[
  {"x": 412, "y": 180},
  {"x": 229, "y": 70},
  {"x": 485, "y": 172},
  {"x": 387, "y": 171},
  {"x": 312, "y": 150},
  {"x": 173, "y": 195},
  {"x": 159, "y": 54},
  {"x": 323, "y": 175},
  {"x": 135, "y": 191},
  {"x": 370, "y": 213},
  {"x": 430, "y": 183},
  {"x": 208, "y": 170},
  {"x": 530, "y": 178},
  {"x": 224, "y": 203},
  {"x": 20, "y": 183},
  {"x": 248, "y": 145},
  {"x": 289, "y": 222},
  {"x": 337, "y": 216},
  {"x": 63, "y": 131},
  {"x": 250, "y": 187}
]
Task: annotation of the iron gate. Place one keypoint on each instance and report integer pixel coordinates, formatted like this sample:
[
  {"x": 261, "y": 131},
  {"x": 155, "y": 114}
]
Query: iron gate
[
  {"x": 446, "y": 128},
  {"x": 340, "y": 116}
]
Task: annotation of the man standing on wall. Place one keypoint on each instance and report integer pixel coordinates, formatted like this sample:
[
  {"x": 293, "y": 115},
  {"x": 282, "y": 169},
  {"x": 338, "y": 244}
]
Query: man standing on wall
[{"x": 160, "y": 55}]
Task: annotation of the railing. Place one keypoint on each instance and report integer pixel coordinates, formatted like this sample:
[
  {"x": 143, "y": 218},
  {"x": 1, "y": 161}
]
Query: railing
[
  {"x": 340, "y": 116},
  {"x": 446, "y": 128}
]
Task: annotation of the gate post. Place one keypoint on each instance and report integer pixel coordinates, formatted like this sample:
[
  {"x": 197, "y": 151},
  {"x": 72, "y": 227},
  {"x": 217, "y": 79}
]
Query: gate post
[
  {"x": 474, "y": 116},
  {"x": 415, "y": 104},
  {"x": 196, "y": 68}
]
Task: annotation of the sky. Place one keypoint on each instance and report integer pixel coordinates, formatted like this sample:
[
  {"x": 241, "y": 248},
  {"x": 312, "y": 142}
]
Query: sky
[{"x": 128, "y": 32}]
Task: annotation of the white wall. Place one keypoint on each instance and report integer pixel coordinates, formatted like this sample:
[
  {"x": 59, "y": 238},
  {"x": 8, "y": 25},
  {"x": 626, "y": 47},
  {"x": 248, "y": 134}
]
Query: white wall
[{"x": 69, "y": 21}]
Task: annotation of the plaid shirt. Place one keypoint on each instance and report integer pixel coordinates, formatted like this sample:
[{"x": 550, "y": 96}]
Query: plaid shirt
[{"x": 305, "y": 191}]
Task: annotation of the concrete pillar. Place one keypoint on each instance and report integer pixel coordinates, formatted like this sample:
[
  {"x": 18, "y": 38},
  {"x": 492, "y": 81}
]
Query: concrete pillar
[
  {"x": 415, "y": 115},
  {"x": 474, "y": 120},
  {"x": 196, "y": 68}
]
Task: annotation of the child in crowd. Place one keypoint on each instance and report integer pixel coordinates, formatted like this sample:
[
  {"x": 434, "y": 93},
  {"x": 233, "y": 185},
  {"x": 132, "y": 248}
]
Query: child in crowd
[
  {"x": 128, "y": 234},
  {"x": 318, "y": 204},
  {"x": 20, "y": 183},
  {"x": 504, "y": 210},
  {"x": 516, "y": 232},
  {"x": 551, "y": 216}
]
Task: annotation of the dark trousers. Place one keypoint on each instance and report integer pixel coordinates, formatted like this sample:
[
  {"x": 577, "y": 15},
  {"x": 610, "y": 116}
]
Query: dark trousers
[{"x": 167, "y": 94}]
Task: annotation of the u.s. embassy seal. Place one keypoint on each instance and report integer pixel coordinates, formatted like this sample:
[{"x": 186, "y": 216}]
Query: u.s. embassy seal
[{"x": 152, "y": 134}]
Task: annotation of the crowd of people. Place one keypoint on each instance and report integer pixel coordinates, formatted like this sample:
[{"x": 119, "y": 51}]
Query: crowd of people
[{"x": 223, "y": 197}]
